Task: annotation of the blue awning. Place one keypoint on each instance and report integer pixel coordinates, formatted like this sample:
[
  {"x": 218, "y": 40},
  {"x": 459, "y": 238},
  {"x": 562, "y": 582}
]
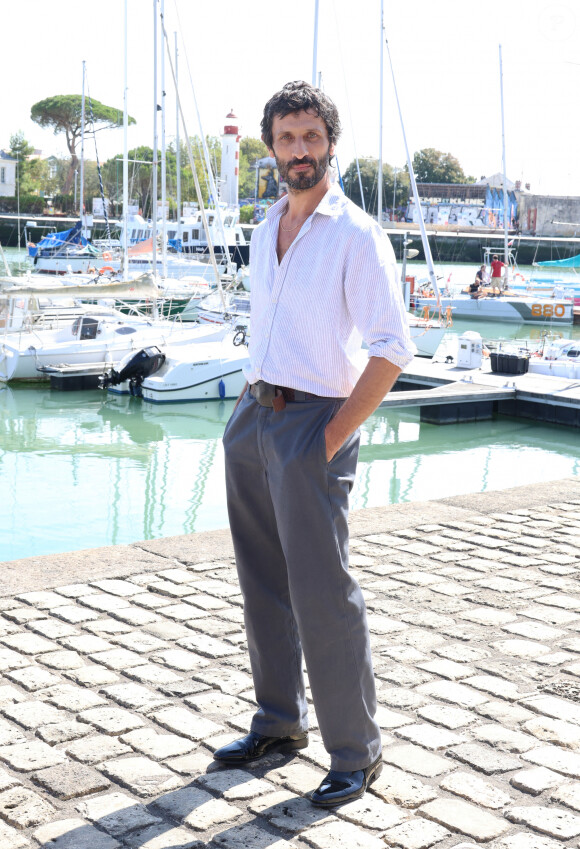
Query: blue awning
[{"x": 65, "y": 237}]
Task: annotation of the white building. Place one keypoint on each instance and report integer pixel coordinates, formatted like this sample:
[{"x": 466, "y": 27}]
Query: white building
[
  {"x": 7, "y": 175},
  {"x": 230, "y": 170}
]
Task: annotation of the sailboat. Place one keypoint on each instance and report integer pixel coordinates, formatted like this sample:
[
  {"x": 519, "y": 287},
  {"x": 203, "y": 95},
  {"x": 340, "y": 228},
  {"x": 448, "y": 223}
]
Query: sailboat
[
  {"x": 426, "y": 332},
  {"x": 504, "y": 305}
]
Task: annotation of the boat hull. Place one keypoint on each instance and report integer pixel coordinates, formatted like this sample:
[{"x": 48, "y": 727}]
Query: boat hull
[
  {"x": 522, "y": 310},
  {"x": 202, "y": 372}
]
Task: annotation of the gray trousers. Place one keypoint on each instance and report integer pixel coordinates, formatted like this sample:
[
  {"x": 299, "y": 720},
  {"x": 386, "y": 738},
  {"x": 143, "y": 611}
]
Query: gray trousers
[{"x": 288, "y": 510}]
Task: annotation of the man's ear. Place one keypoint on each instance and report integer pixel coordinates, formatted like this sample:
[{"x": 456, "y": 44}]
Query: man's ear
[{"x": 270, "y": 151}]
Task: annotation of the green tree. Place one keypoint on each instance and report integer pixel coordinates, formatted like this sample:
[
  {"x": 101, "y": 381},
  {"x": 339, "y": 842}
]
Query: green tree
[
  {"x": 247, "y": 213},
  {"x": 63, "y": 113},
  {"x": 141, "y": 175},
  {"x": 368, "y": 178},
  {"x": 250, "y": 150},
  {"x": 20, "y": 150},
  {"x": 433, "y": 166}
]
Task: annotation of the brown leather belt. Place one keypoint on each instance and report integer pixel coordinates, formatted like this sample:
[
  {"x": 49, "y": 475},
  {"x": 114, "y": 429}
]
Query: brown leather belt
[{"x": 268, "y": 395}]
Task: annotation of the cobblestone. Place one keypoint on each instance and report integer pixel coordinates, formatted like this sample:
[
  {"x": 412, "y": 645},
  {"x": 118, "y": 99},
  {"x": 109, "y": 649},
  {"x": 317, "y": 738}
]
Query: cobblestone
[
  {"x": 141, "y": 775},
  {"x": 117, "y": 813},
  {"x": 465, "y": 818},
  {"x": 74, "y": 834},
  {"x": 23, "y": 808},
  {"x": 69, "y": 780},
  {"x": 115, "y": 690}
]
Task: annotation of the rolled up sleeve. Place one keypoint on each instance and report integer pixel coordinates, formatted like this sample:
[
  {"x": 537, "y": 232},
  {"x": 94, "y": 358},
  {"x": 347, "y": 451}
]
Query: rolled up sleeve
[{"x": 374, "y": 298}]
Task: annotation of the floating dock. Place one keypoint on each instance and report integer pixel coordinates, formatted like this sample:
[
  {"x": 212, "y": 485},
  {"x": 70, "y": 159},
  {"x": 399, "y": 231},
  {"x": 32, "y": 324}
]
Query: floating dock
[{"x": 448, "y": 394}]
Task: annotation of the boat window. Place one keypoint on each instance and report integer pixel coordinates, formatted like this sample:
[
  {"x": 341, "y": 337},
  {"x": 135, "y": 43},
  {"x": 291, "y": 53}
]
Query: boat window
[
  {"x": 228, "y": 221},
  {"x": 75, "y": 327},
  {"x": 89, "y": 328},
  {"x": 237, "y": 238},
  {"x": 574, "y": 352},
  {"x": 185, "y": 236},
  {"x": 194, "y": 235},
  {"x": 210, "y": 219},
  {"x": 125, "y": 330},
  {"x": 171, "y": 234}
]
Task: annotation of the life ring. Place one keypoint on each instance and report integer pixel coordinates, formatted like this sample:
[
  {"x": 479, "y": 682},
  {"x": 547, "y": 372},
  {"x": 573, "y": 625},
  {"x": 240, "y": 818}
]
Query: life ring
[
  {"x": 107, "y": 255},
  {"x": 521, "y": 277},
  {"x": 106, "y": 268}
]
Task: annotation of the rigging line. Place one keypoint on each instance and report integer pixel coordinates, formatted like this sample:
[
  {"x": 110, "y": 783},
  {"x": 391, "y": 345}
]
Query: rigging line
[
  {"x": 348, "y": 108},
  {"x": 105, "y": 213},
  {"x": 194, "y": 172},
  {"x": 424, "y": 239},
  {"x": 220, "y": 223}
]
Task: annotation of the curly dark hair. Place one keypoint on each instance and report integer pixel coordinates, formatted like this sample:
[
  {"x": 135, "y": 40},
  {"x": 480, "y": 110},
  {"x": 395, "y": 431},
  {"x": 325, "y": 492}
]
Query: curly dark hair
[{"x": 299, "y": 96}]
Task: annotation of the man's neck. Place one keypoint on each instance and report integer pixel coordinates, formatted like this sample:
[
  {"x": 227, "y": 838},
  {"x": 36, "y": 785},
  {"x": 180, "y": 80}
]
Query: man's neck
[{"x": 303, "y": 202}]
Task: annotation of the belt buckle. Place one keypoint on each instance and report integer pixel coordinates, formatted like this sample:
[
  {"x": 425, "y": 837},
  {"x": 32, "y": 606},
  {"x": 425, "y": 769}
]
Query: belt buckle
[{"x": 264, "y": 393}]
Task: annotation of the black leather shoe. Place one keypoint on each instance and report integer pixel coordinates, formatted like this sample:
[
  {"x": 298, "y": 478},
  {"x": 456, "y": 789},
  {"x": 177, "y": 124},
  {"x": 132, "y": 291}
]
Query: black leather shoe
[
  {"x": 340, "y": 787},
  {"x": 254, "y": 746}
]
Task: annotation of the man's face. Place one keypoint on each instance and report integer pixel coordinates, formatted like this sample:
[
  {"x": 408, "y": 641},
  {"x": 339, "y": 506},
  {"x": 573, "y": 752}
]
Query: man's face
[{"x": 301, "y": 148}]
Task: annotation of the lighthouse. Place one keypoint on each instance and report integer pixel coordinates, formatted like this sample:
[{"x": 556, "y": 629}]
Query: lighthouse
[{"x": 230, "y": 174}]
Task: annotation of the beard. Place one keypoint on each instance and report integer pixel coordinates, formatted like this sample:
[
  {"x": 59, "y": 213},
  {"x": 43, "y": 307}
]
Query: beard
[{"x": 303, "y": 181}]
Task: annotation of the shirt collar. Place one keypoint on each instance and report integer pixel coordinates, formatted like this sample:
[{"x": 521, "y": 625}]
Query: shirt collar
[{"x": 332, "y": 202}]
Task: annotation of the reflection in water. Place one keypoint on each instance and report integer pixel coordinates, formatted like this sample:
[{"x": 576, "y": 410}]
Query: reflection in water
[
  {"x": 83, "y": 469},
  {"x": 403, "y": 459}
]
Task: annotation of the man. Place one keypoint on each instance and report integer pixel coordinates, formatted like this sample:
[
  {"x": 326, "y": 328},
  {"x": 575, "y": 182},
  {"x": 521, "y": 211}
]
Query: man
[
  {"x": 323, "y": 275},
  {"x": 497, "y": 273},
  {"x": 476, "y": 288}
]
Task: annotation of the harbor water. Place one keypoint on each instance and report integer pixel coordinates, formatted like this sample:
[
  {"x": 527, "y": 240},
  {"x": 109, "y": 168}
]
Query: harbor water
[{"x": 86, "y": 469}]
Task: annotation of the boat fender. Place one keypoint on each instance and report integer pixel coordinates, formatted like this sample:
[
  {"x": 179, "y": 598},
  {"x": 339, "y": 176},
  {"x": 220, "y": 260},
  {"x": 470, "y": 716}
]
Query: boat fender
[
  {"x": 222, "y": 389},
  {"x": 106, "y": 269}
]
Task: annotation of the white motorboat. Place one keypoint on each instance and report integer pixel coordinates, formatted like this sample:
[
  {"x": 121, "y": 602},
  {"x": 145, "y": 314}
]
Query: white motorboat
[
  {"x": 93, "y": 338},
  {"x": 184, "y": 372},
  {"x": 560, "y": 357}
]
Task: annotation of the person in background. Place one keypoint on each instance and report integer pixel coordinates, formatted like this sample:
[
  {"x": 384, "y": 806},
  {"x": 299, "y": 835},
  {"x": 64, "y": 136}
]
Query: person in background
[
  {"x": 476, "y": 288},
  {"x": 323, "y": 279},
  {"x": 497, "y": 273}
]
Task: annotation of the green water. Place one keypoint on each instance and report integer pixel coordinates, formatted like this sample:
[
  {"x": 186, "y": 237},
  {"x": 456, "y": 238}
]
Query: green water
[{"x": 84, "y": 469}]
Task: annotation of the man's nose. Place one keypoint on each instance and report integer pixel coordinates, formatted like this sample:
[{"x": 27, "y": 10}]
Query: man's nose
[{"x": 300, "y": 148}]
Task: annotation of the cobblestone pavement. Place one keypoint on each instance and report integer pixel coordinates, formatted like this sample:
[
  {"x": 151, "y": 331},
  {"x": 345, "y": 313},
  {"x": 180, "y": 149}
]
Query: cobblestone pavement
[{"x": 122, "y": 669}]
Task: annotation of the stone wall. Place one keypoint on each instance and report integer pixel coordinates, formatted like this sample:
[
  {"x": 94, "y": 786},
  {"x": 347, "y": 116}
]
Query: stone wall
[{"x": 540, "y": 215}]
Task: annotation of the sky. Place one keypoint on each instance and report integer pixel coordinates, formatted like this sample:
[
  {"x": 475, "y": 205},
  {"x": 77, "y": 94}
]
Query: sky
[{"x": 232, "y": 54}]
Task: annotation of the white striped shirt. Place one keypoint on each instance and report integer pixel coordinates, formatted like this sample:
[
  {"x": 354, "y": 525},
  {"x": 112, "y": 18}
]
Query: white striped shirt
[{"x": 336, "y": 285}]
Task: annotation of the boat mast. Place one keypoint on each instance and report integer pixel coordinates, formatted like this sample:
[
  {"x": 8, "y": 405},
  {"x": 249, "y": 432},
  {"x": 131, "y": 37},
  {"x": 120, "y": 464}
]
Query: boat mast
[
  {"x": 177, "y": 151},
  {"x": 315, "y": 45},
  {"x": 125, "y": 161},
  {"x": 154, "y": 188},
  {"x": 380, "y": 174},
  {"x": 82, "y": 192},
  {"x": 505, "y": 199},
  {"x": 163, "y": 159}
]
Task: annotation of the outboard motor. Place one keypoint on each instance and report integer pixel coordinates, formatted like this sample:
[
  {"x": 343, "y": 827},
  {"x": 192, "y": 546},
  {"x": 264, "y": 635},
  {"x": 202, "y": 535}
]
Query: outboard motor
[{"x": 135, "y": 368}]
